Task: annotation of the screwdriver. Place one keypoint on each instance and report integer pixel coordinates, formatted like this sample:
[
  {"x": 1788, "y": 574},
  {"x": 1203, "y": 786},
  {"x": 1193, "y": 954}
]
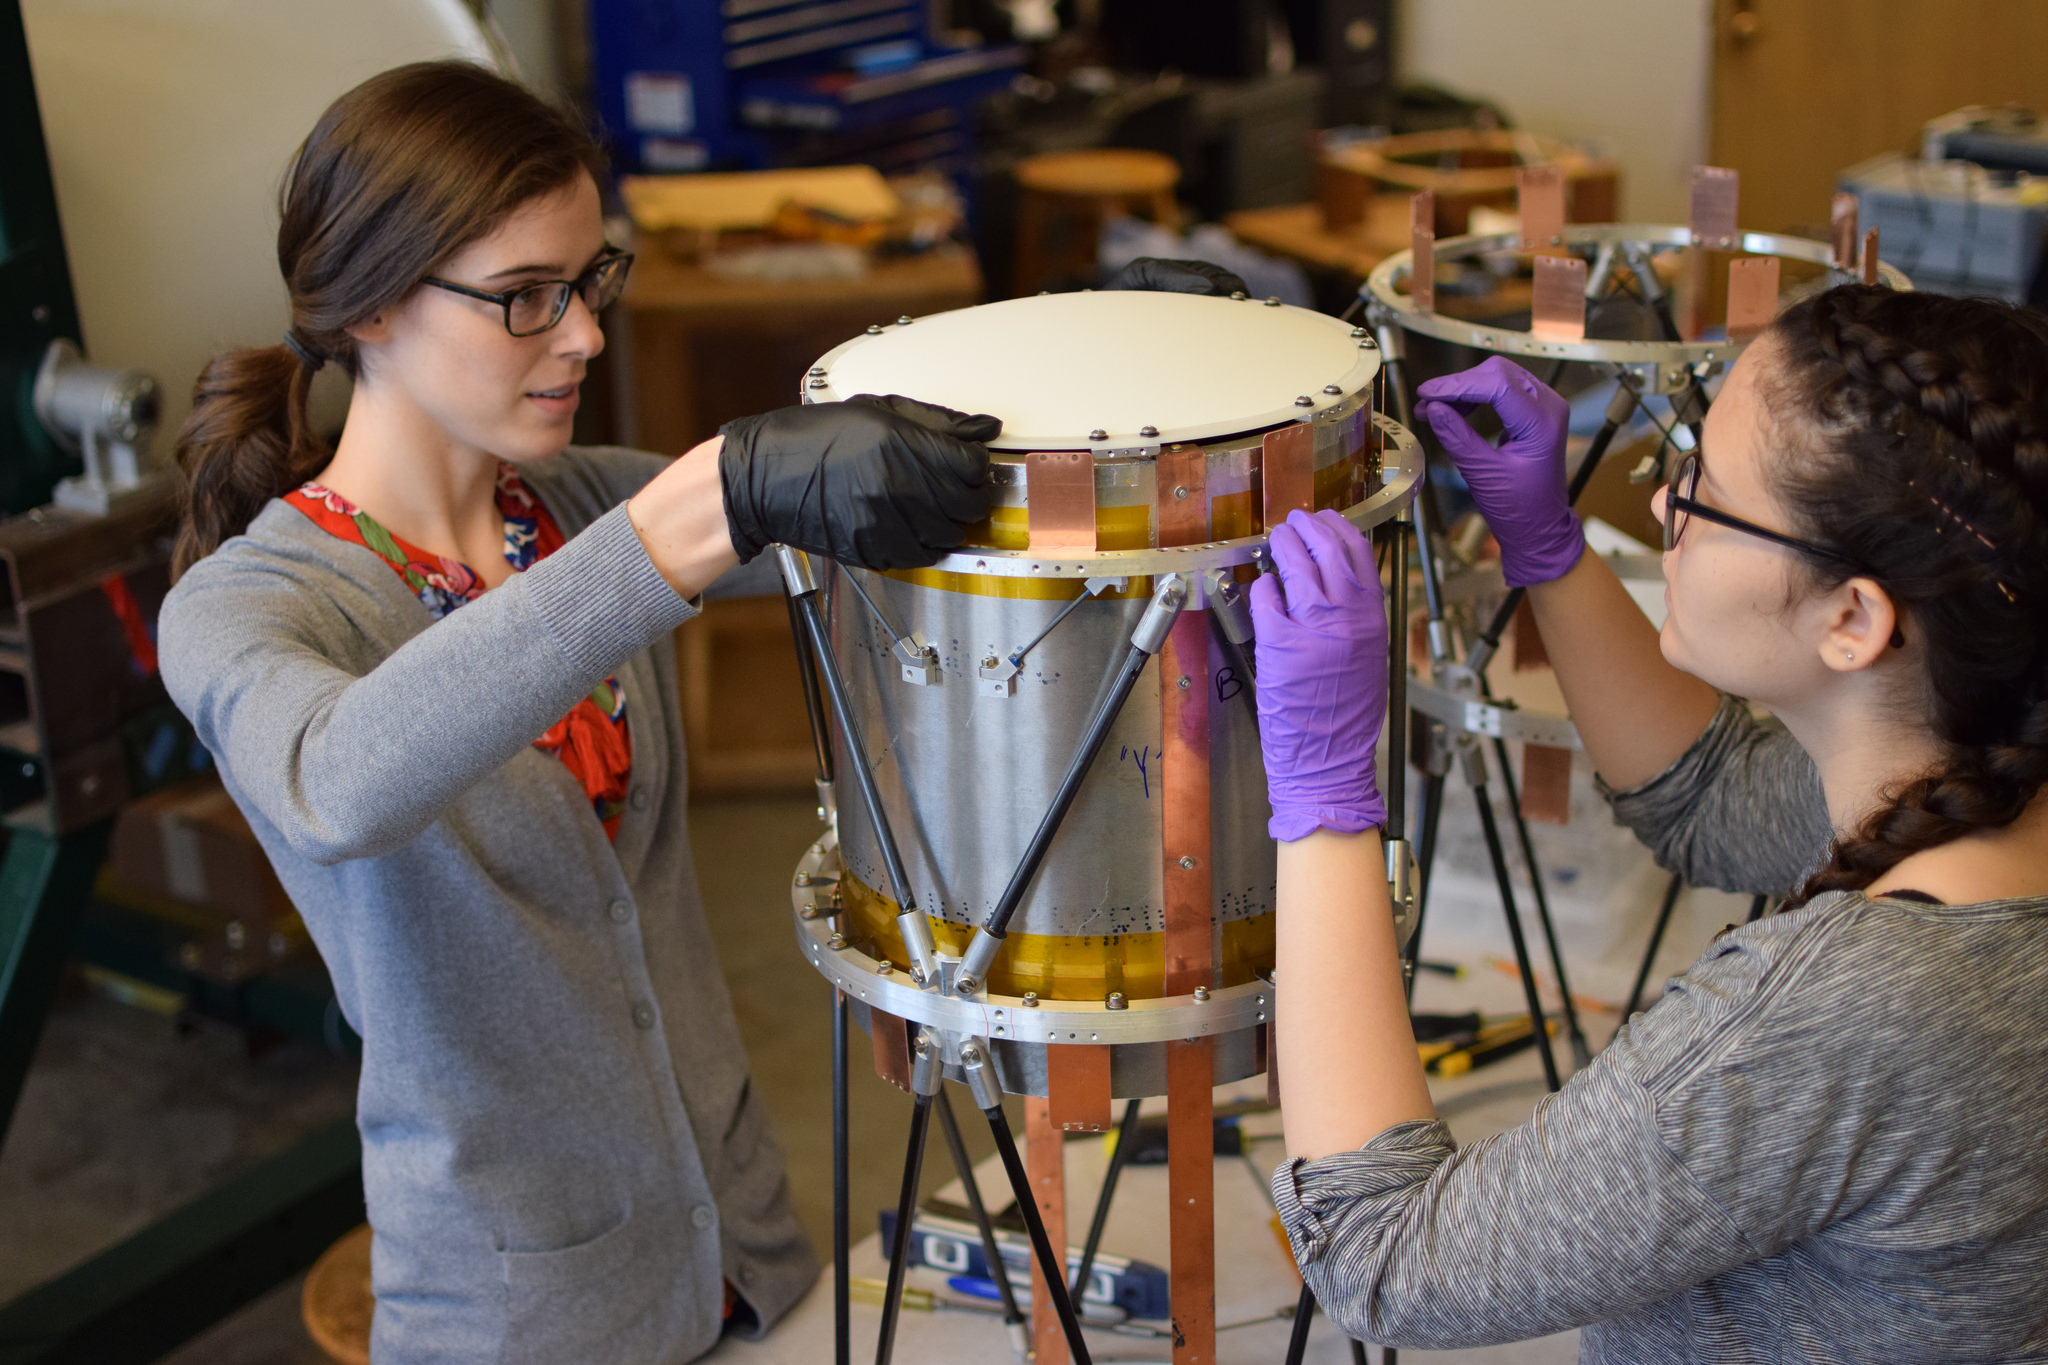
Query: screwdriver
[{"x": 1487, "y": 1050}]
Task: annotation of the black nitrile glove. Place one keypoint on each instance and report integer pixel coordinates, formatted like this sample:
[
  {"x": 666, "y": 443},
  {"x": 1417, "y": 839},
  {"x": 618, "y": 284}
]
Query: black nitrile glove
[
  {"x": 883, "y": 483},
  {"x": 1176, "y": 277}
]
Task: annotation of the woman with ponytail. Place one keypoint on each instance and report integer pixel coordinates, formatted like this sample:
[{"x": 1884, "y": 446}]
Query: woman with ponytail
[
  {"x": 433, "y": 664},
  {"x": 1824, "y": 1142}
]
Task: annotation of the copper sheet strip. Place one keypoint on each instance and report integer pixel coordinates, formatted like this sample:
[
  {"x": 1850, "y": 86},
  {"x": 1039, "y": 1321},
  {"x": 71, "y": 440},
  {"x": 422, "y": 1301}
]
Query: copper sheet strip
[
  {"x": 892, "y": 1048},
  {"x": 1045, "y": 1164},
  {"x": 1869, "y": 257},
  {"x": 1422, "y": 251},
  {"x": 1190, "y": 962},
  {"x": 1539, "y": 196},
  {"x": 1752, "y": 295},
  {"x": 1077, "y": 1088},
  {"x": 1268, "y": 1057},
  {"x": 1287, "y": 471},
  {"x": 1059, "y": 506},
  {"x": 1842, "y": 229},
  {"x": 1183, "y": 509},
  {"x": 1528, "y": 640},
  {"x": 1557, "y": 308},
  {"x": 1191, "y": 1188},
  {"x": 1546, "y": 784},
  {"x": 1714, "y": 205}
]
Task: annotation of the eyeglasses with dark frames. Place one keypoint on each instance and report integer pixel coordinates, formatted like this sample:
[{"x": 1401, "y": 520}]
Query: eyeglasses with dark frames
[
  {"x": 533, "y": 308},
  {"x": 1680, "y": 506}
]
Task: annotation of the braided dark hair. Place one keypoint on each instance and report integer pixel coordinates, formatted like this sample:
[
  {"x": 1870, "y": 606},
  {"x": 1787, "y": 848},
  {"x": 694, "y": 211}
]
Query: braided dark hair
[{"x": 1919, "y": 426}]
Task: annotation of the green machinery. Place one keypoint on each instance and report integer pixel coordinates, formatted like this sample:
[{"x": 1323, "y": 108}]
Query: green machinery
[{"x": 85, "y": 728}]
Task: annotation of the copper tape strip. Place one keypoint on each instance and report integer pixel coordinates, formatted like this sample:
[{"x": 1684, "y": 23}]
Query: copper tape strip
[
  {"x": 1422, "y": 251},
  {"x": 1539, "y": 197},
  {"x": 1869, "y": 257},
  {"x": 1752, "y": 295},
  {"x": 1546, "y": 784},
  {"x": 1267, "y": 1049},
  {"x": 1287, "y": 471},
  {"x": 1045, "y": 1165},
  {"x": 892, "y": 1048},
  {"x": 1842, "y": 229},
  {"x": 1183, "y": 495},
  {"x": 1059, "y": 493},
  {"x": 1077, "y": 1087},
  {"x": 1190, "y": 959},
  {"x": 1529, "y": 650},
  {"x": 1557, "y": 306},
  {"x": 1715, "y": 191}
]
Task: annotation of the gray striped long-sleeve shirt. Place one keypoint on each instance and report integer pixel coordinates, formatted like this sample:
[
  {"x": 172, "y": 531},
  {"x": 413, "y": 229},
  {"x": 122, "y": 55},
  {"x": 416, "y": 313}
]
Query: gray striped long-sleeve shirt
[{"x": 1824, "y": 1143}]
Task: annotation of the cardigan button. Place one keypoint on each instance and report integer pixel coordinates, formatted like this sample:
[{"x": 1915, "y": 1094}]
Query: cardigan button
[
  {"x": 701, "y": 1217},
  {"x": 638, "y": 798},
  {"x": 643, "y": 1015},
  {"x": 620, "y": 911}
]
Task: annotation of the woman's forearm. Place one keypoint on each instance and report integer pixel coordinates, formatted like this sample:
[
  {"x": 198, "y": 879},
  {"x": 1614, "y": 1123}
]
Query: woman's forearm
[
  {"x": 680, "y": 517},
  {"x": 1635, "y": 713},
  {"x": 1348, "y": 1066}
]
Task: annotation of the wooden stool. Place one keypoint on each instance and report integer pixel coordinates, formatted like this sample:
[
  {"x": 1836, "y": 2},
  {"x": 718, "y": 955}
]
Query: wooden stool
[
  {"x": 336, "y": 1303},
  {"x": 1079, "y": 190}
]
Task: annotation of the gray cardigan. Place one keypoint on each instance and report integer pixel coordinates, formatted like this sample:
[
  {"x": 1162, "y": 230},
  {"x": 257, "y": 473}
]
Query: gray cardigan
[
  {"x": 560, "y": 1151},
  {"x": 1823, "y": 1144}
]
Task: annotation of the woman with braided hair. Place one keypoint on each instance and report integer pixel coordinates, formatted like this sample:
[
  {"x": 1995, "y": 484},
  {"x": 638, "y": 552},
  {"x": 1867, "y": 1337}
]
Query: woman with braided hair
[{"x": 1824, "y": 1143}]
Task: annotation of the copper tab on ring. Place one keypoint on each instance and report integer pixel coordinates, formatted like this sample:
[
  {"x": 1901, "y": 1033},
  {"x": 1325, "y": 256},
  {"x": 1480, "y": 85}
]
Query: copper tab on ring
[
  {"x": 1422, "y": 251},
  {"x": 1546, "y": 786},
  {"x": 892, "y": 1048},
  {"x": 1059, "y": 493},
  {"x": 1714, "y": 195},
  {"x": 1077, "y": 1087},
  {"x": 1045, "y": 1166},
  {"x": 1869, "y": 257},
  {"x": 1752, "y": 295},
  {"x": 1842, "y": 229},
  {"x": 1540, "y": 198},
  {"x": 1183, "y": 509},
  {"x": 1287, "y": 471},
  {"x": 1557, "y": 309}
]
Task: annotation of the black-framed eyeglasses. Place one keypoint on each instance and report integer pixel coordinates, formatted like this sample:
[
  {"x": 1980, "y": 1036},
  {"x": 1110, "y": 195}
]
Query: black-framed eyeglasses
[
  {"x": 1680, "y": 506},
  {"x": 534, "y": 308}
]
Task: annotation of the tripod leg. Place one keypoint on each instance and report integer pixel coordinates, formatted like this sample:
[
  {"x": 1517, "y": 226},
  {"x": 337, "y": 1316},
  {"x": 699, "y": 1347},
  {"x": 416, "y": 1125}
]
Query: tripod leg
[
  {"x": 842, "y": 1325},
  {"x": 1507, "y": 902},
  {"x": 1051, "y": 1266},
  {"x": 906, "y": 1210},
  {"x": 1756, "y": 908},
  {"x": 1304, "y": 1313},
  {"x": 1425, "y": 844},
  {"x": 1013, "y": 1316},
  {"x": 1126, "y": 1131},
  {"x": 1635, "y": 995},
  {"x": 1581, "y": 1054}
]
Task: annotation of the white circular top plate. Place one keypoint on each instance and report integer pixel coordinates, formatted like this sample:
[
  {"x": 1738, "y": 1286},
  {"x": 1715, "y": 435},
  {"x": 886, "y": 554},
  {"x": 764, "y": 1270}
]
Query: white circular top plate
[{"x": 1058, "y": 367}]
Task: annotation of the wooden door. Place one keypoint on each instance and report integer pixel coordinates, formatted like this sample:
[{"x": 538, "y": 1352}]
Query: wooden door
[{"x": 1805, "y": 88}]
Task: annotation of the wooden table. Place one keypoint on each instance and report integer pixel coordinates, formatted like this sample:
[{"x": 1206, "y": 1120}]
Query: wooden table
[{"x": 696, "y": 351}]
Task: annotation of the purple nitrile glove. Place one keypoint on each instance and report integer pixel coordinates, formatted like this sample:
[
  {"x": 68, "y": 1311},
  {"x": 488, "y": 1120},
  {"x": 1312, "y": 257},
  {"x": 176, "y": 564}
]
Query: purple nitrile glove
[
  {"x": 1519, "y": 485},
  {"x": 1322, "y": 677}
]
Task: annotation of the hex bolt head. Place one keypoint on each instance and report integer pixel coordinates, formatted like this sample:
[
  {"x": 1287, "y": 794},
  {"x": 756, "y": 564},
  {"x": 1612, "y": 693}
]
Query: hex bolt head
[
  {"x": 807, "y": 912},
  {"x": 1272, "y": 300},
  {"x": 965, "y": 985},
  {"x": 1180, "y": 490},
  {"x": 1239, "y": 295},
  {"x": 1201, "y": 992},
  {"x": 922, "y": 1047},
  {"x": 1332, "y": 389},
  {"x": 1116, "y": 1001},
  {"x": 1359, "y": 332},
  {"x": 837, "y": 942},
  {"x": 803, "y": 879},
  {"x": 990, "y": 661},
  {"x": 970, "y": 1054},
  {"x": 1181, "y": 682},
  {"x": 818, "y": 371},
  {"x": 1098, "y": 434},
  {"x": 1148, "y": 431},
  {"x": 903, "y": 321},
  {"x": 884, "y": 967},
  {"x": 875, "y": 330},
  {"x": 1031, "y": 1000},
  {"x": 1187, "y": 864},
  {"x": 1304, "y": 402}
]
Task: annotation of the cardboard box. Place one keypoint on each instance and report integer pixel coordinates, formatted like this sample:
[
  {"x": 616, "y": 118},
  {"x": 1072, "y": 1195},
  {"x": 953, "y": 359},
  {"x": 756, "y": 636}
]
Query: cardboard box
[{"x": 188, "y": 843}]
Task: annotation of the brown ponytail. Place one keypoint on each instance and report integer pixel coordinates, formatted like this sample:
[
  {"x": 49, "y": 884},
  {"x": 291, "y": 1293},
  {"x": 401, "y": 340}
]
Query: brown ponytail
[
  {"x": 1919, "y": 424},
  {"x": 399, "y": 173}
]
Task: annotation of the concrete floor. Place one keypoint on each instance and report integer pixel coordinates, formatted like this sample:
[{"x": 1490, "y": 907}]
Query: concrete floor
[{"x": 124, "y": 1117}]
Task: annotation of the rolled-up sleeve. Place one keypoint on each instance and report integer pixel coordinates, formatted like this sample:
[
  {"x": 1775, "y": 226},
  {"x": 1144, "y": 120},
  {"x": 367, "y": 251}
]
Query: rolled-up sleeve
[{"x": 1741, "y": 810}]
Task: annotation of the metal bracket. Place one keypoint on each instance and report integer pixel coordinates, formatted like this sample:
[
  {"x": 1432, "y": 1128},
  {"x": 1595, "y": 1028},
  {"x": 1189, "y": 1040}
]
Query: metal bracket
[{"x": 920, "y": 661}]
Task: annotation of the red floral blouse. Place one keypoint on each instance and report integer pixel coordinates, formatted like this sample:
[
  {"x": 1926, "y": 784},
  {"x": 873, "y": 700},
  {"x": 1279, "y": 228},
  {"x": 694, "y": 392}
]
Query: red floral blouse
[{"x": 593, "y": 740}]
